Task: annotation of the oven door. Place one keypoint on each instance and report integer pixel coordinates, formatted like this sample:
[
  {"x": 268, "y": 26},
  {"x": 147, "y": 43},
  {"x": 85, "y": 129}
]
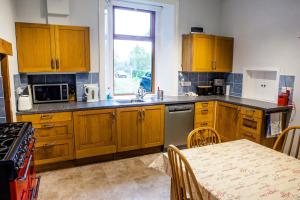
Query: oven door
[{"x": 26, "y": 186}]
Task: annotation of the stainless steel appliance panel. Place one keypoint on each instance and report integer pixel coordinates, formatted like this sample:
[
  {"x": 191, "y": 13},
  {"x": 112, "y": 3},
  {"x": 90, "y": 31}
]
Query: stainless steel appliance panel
[{"x": 179, "y": 122}]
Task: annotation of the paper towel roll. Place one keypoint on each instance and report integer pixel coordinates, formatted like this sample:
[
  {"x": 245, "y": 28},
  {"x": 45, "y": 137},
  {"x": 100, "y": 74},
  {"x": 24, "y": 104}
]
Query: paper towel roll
[{"x": 227, "y": 90}]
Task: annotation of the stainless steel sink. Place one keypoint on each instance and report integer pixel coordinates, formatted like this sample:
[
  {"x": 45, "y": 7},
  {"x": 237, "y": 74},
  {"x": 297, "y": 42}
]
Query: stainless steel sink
[{"x": 130, "y": 101}]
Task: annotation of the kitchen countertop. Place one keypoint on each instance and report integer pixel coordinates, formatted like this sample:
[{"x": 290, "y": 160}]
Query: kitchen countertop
[{"x": 76, "y": 106}]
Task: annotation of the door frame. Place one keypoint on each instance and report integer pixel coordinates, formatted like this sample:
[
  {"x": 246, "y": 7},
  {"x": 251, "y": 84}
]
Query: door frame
[{"x": 5, "y": 51}]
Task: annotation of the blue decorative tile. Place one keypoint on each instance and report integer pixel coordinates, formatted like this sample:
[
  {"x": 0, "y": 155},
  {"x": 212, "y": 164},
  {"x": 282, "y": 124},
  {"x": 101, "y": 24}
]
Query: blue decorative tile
[
  {"x": 36, "y": 79},
  {"x": 95, "y": 78},
  {"x": 1, "y": 87},
  {"x": 229, "y": 78},
  {"x": 212, "y": 75},
  {"x": 53, "y": 78},
  {"x": 83, "y": 78},
  {"x": 183, "y": 76},
  {"x": 2, "y": 108},
  {"x": 2, "y": 119},
  {"x": 202, "y": 76},
  {"x": 237, "y": 88},
  {"x": 24, "y": 79},
  {"x": 238, "y": 78},
  {"x": 17, "y": 81},
  {"x": 202, "y": 83},
  {"x": 69, "y": 79},
  {"x": 286, "y": 81},
  {"x": 193, "y": 77}
]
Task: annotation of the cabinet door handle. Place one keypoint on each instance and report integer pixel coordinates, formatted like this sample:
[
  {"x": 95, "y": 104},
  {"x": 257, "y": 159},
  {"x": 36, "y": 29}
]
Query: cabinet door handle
[
  {"x": 57, "y": 64},
  {"x": 48, "y": 145},
  {"x": 52, "y": 64},
  {"x": 48, "y": 126},
  {"x": 140, "y": 115},
  {"x": 204, "y": 124},
  {"x": 113, "y": 116},
  {"x": 204, "y": 111},
  {"x": 143, "y": 114},
  {"x": 248, "y": 134},
  {"x": 46, "y": 116},
  {"x": 205, "y": 105}
]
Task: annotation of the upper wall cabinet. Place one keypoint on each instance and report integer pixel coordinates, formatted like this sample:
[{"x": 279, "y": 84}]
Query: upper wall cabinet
[
  {"x": 52, "y": 48},
  {"x": 207, "y": 53}
]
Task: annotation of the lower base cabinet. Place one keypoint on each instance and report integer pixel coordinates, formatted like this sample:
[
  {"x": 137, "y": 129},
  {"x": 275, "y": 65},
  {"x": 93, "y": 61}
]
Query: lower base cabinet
[
  {"x": 95, "y": 132},
  {"x": 140, "y": 127}
]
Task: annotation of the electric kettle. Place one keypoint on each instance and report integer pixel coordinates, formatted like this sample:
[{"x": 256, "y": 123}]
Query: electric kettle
[{"x": 92, "y": 92}]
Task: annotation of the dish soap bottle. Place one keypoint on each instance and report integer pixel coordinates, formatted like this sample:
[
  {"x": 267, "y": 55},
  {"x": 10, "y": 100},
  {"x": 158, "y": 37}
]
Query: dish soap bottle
[{"x": 108, "y": 94}]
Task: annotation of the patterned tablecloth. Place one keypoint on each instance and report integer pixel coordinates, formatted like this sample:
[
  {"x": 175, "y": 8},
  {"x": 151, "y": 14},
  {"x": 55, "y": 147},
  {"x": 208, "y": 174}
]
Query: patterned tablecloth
[{"x": 241, "y": 170}]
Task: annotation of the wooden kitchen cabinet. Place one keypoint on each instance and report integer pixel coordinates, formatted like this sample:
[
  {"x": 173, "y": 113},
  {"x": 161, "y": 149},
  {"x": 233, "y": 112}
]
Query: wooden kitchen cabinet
[
  {"x": 72, "y": 49},
  {"x": 140, "y": 127},
  {"x": 36, "y": 47},
  {"x": 204, "y": 114},
  {"x": 227, "y": 121},
  {"x": 54, "y": 134},
  {"x": 52, "y": 48},
  {"x": 152, "y": 126},
  {"x": 129, "y": 128},
  {"x": 207, "y": 53},
  {"x": 95, "y": 133}
]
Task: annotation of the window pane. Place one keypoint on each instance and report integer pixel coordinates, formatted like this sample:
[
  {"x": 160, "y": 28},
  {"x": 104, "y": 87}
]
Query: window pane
[
  {"x": 131, "y": 22},
  {"x": 132, "y": 66}
]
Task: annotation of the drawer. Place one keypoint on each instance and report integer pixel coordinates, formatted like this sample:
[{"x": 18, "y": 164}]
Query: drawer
[
  {"x": 208, "y": 104},
  {"x": 47, "y": 117},
  {"x": 203, "y": 124},
  {"x": 57, "y": 130},
  {"x": 250, "y": 112},
  {"x": 245, "y": 134},
  {"x": 51, "y": 152},
  {"x": 205, "y": 112}
]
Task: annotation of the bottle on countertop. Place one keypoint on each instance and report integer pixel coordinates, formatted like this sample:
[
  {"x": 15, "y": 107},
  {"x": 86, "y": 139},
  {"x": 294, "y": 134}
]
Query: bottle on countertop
[
  {"x": 108, "y": 94},
  {"x": 160, "y": 94}
]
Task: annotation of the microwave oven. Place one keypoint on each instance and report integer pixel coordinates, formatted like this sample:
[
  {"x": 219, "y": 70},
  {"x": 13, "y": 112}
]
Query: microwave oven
[{"x": 45, "y": 93}]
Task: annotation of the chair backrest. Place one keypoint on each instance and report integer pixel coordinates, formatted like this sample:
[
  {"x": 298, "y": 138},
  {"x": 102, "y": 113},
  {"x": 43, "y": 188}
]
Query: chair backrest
[
  {"x": 202, "y": 137},
  {"x": 184, "y": 183},
  {"x": 288, "y": 142}
]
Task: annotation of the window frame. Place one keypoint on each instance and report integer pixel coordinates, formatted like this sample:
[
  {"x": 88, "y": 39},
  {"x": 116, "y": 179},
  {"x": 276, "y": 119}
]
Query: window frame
[{"x": 150, "y": 38}]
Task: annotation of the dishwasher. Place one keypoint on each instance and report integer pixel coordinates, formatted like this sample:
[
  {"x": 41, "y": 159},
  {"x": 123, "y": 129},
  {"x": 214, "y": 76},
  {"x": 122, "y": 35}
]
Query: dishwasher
[{"x": 179, "y": 122}]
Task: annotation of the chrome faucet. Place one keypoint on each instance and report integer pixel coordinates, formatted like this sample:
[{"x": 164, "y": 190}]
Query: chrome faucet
[{"x": 140, "y": 93}]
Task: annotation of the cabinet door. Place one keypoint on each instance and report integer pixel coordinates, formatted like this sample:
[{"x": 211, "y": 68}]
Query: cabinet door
[
  {"x": 129, "y": 128},
  {"x": 72, "y": 49},
  {"x": 36, "y": 47},
  {"x": 203, "y": 53},
  {"x": 223, "y": 54},
  {"x": 227, "y": 121},
  {"x": 95, "y": 132},
  {"x": 152, "y": 126}
]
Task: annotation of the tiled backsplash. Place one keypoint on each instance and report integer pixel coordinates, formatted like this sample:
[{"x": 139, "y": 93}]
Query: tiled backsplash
[
  {"x": 287, "y": 81},
  {"x": 235, "y": 80},
  {"x": 75, "y": 81}
]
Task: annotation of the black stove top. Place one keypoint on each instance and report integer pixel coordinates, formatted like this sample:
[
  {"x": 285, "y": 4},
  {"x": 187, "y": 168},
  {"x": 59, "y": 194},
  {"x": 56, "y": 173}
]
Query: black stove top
[
  {"x": 8, "y": 135},
  {"x": 14, "y": 144}
]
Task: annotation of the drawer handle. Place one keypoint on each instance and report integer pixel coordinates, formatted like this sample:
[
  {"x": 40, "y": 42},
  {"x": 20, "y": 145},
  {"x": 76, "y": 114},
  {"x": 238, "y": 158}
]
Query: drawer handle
[
  {"x": 48, "y": 145},
  {"x": 47, "y": 116},
  {"x": 205, "y": 111},
  {"x": 204, "y": 104},
  {"x": 48, "y": 126},
  {"x": 204, "y": 124},
  {"x": 248, "y": 134}
]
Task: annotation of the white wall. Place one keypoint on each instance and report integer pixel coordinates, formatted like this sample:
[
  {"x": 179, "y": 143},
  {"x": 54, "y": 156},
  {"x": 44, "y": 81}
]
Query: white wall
[
  {"x": 82, "y": 13},
  {"x": 203, "y": 13},
  {"x": 7, "y": 32},
  {"x": 265, "y": 33}
]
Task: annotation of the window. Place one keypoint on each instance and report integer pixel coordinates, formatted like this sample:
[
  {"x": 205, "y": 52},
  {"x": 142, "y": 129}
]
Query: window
[{"x": 134, "y": 41}]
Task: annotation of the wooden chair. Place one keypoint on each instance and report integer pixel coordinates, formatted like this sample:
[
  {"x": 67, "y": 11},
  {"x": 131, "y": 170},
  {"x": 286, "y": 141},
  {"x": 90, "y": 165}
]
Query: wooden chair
[
  {"x": 202, "y": 137},
  {"x": 184, "y": 184},
  {"x": 288, "y": 141}
]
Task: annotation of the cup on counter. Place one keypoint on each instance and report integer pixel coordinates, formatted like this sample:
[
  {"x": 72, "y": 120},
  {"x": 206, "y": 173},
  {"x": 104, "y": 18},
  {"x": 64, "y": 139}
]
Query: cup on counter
[{"x": 160, "y": 94}]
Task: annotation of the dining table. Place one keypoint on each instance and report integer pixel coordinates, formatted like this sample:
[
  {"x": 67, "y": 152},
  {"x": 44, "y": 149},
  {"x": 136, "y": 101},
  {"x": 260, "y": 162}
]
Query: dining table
[{"x": 240, "y": 170}]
